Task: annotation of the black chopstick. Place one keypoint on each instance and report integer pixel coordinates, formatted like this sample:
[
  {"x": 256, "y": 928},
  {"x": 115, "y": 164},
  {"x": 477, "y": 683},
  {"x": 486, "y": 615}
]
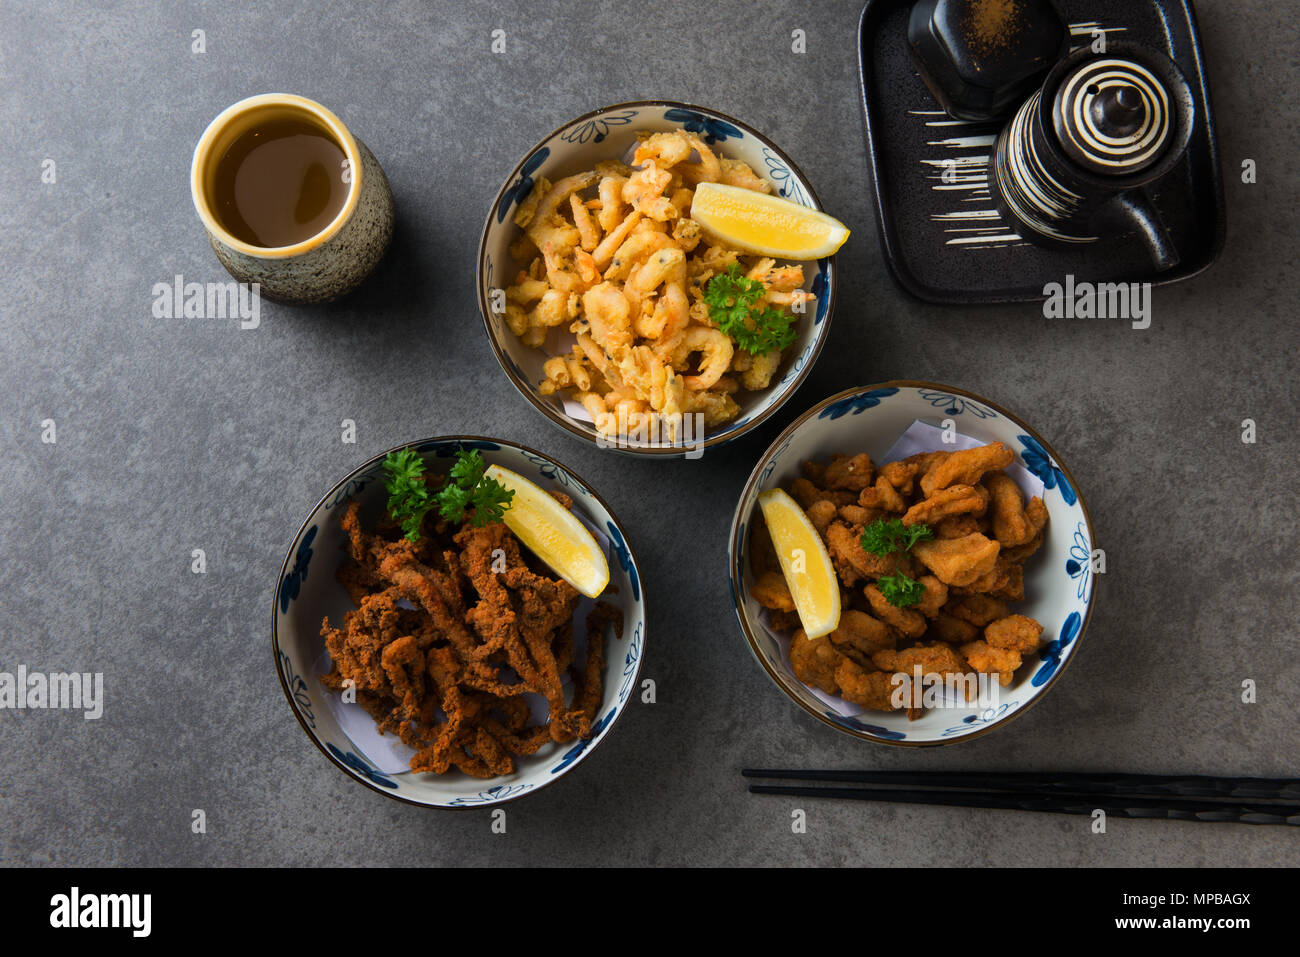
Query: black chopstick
[
  {"x": 1119, "y": 807},
  {"x": 1134, "y": 785}
]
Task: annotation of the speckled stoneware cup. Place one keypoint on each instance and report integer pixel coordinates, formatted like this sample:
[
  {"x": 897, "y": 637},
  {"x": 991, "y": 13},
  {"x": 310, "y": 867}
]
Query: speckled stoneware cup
[{"x": 334, "y": 261}]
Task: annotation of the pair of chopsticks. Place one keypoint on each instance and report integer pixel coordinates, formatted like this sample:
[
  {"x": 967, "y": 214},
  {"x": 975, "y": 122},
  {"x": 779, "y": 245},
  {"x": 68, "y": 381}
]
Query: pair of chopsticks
[{"x": 1148, "y": 796}]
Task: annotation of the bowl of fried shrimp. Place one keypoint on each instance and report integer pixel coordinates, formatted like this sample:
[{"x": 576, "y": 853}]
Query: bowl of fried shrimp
[
  {"x": 955, "y": 548},
  {"x": 594, "y": 282},
  {"x": 431, "y": 655}
]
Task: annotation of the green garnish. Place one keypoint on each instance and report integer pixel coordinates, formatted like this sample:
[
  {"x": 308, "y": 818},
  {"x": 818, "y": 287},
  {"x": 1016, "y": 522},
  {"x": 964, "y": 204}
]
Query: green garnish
[
  {"x": 882, "y": 538},
  {"x": 408, "y": 495},
  {"x": 466, "y": 490},
  {"x": 732, "y": 299},
  {"x": 901, "y": 591}
]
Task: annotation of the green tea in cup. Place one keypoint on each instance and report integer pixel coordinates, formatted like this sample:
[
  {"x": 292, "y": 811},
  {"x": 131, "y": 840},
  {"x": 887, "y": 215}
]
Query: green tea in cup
[
  {"x": 290, "y": 199},
  {"x": 280, "y": 182}
]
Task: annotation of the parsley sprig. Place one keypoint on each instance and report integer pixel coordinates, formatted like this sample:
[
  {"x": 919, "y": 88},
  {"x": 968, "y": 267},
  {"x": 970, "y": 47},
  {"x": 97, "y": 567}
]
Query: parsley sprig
[
  {"x": 466, "y": 491},
  {"x": 881, "y": 537},
  {"x": 733, "y": 306},
  {"x": 886, "y": 537},
  {"x": 901, "y": 591}
]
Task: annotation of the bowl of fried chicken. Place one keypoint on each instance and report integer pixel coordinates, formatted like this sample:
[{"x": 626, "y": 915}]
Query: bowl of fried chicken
[
  {"x": 912, "y": 564},
  {"x": 458, "y": 622},
  {"x": 615, "y": 313}
]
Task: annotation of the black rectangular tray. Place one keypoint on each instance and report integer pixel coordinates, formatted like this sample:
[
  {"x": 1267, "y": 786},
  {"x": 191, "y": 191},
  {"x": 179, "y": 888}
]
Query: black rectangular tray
[{"x": 937, "y": 250}]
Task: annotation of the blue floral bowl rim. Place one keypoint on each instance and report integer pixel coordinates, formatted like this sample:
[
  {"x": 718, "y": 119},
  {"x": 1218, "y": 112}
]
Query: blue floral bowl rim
[
  {"x": 339, "y": 486},
  {"x": 733, "y": 547},
  {"x": 526, "y": 388}
]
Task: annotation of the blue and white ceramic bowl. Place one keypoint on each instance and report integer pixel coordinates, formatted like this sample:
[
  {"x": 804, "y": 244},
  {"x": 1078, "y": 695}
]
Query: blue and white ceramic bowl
[
  {"x": 1059, "y": 584},
  {"x": 307, "y": 592},
  {"x": 609, "y": 133}
]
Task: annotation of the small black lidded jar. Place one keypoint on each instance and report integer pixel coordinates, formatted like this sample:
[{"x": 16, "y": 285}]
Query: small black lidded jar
[
  {"x": 981, "y": 58},
  {"x": 1076, "y": 163}
]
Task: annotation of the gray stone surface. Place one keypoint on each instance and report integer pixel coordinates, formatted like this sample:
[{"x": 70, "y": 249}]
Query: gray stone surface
[{"x": 182, "y": 434}]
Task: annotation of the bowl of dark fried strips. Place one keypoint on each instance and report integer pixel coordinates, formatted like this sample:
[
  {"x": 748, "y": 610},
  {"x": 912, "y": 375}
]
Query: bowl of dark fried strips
[
  {"x": 912, "y": 564},
  {"x": 459, "y": 622}
]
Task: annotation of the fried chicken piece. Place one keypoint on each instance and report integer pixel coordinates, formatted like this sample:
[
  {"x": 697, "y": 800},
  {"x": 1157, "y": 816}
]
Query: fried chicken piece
[
  {"x": 866, "y": 688},
  {"x": 403, "y": 664},
  {"x": 444, "y": 670},
  {"x": 915, "y": 466},
  {"x": 1014, "y": 633},
  {"x": 524, "y": 636},
  {"x": 857, "y": 515},
  {"x": 860, "y": 632},
  {"x": 854, "y": 473},
  {"x": 432, "y": 591},
  {"x": 937, "y": 658},
  {"x": 1005, "y": 580},
  {"x": 1036, "y": 513},
  {"x": 853, "y": 562},
  {"x": 1021, "y": 553},
  {"x": 805, "y": 493},
  {"x": 957, "y": 526},
  {"x": 356, "y": 650},
  {"x": 953, "y": 630},
  {"x": 965, "y": 467},
  {"x": 979, "y": 610},
  {"x": 491, "y": 753},
  {"x": 1013, "y": 522},
  {"x": 543, "y": 605},
  {"x": 562, "y": 646},
  {"x": 988, "y": 660},
  {"x": 512, "y": 603},
  {"x": 771, "y": 591},
  {"x": 814, "y": 661},
  {"x": 909, "y": 623},
  {"x": 934, "y": 597},
  {"x": 958, "y": 561},
  {"x": 821, "y": 514},
  {"x": 901, "y": 475},
  {"x": 814, "y": 472},
  {"x": 436, "y": 674},
  {"x": 954, "y": 500},
  {"x": 519, "y": 741},
  {"x": 882, "y": 496},
  {"x": 1011, "y": 583}
]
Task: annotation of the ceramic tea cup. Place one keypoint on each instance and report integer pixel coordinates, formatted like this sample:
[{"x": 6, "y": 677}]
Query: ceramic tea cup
[{"x": 319, "y": 267}]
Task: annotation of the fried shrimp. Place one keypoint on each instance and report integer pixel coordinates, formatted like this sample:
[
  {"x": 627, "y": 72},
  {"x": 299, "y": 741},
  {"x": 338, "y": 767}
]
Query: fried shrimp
[
  {"x": 715, "y": 349},
  {"x": 624, "y": 231}
]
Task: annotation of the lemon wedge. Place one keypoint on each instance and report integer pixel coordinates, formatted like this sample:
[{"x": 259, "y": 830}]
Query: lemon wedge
[
  {"x": 552, "y": 533},
  {"x": 766, "y": 225},
  {"x": 804, "y": 561}
]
